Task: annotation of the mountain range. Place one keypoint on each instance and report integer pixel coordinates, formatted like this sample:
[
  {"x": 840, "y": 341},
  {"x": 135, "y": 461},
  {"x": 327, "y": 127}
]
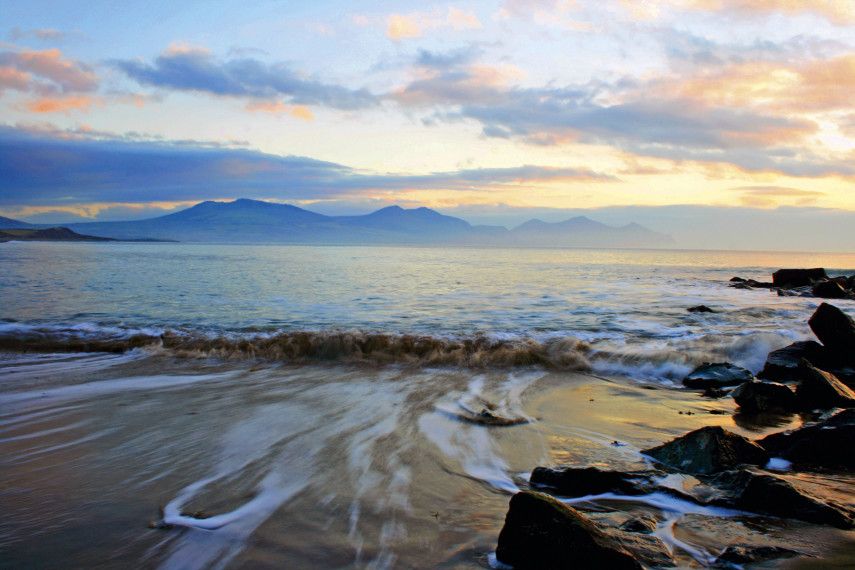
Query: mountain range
[{"x": 246, "y": 220}]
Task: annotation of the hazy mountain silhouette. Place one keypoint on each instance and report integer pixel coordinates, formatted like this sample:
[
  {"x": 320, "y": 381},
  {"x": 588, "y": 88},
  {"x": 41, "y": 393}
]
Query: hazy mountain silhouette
[{"x": 246, "y": 220}]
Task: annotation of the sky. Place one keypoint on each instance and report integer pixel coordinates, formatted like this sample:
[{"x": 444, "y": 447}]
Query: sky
[{"x": 494, "y": 111}]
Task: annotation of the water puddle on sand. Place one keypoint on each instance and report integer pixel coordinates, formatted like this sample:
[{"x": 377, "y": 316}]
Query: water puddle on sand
[{"x": 325, "y": 466}]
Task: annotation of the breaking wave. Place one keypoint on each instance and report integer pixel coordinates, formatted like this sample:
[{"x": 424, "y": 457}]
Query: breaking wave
[{"x": 477, "y": 351}]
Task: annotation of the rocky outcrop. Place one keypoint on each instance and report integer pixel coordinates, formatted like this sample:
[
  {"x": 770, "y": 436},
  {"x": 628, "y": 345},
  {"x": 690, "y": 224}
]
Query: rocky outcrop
[
  {"x": 709, "y": 450},
  {"x": 836, "y": 331},
  {"x": 719, "y": 375},
  {"x": 826, "y": 444},
  {"x": 740, "y": 555},
  {"x": 768, "y": 494},
  {"x": 541, "y": 532},
  {"x": 798, "y": 277},
  {"x": 782, "y": 365},
  {"x": 581, "y": 481},
  {"x": 822, "y": 390},
  {"x": 755, "y": 397}
]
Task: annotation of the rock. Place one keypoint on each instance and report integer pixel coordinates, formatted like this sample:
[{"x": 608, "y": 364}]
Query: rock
[
  {"x": 579, "y": 481},
  {"x": 782, "y": 365},
  {"x": 820, "y": 389},
  {"x": 541, "y": 532},
  {"x": 739, "y": 555},
  {"x": 709, "y": 450},
  {"x": 829, "y": 290},
  {"x": 714, "y": 393},
  {"x": 717, "y": 376},
  {"x": 646, "y": 548},
  {"x": 737, "y": 280},
  {"x": 644, "y": 524},
  {"x": 826, "y": 444},
  {"x": 755, "y": 397},
  {"x": 836, "y": 331},
  {"x": 798, "y": 277},
  {"x": 700, "y": 309},
  {"x": 768, "y": 494}
]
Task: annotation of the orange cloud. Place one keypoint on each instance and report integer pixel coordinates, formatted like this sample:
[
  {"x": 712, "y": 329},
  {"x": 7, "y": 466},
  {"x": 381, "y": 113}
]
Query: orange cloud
[
  {"x": 63, "y": 105},
  {"x": 278, "y": 108},
  {"x": 71, "y": 75},
  {"x": 400, "y": 26},
  {"x": 11, "y": 78}
]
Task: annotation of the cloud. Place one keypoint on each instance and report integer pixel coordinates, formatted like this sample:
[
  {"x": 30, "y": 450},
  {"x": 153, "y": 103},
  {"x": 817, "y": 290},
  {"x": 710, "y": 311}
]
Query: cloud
[
  {"x": 279, "y": 108},
  {"x": 774, "y": 196},
  {"x": 55, "y": 74},
  {"x": 413, "y": 25},
  {"x": 63, "y": 104},
  {"x": 836, "y": 11},
  {"x": 187, "y": 68},
  {"x": 47, "y": 167},
  {"x": 47, "y": 35}
]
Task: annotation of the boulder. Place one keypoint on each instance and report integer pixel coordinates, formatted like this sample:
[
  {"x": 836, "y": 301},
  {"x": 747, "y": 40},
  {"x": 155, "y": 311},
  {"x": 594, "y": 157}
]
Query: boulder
[
  {"x": 541, "y": 532},
  {"x": 826, "y": 444},
  {"x": 740, "y": 555},
  {"x": 768, "y": 494},
  {"x": 829, "y": 290},
  {"x": 820, "y": 389},
  {"x": 836, "y": 331},
  {"x": 718, "y": 375},
  {"x": 754, "y": 397},
  {"x": 578, "y": 481},
  {"x": 700, "y": 309},
  {"x": 798, "y": 277},
  {"x": 709, "y": 450},
  {"x": 782, "y": 365}
]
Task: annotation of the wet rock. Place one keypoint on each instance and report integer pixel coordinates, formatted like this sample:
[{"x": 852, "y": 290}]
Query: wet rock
[
  {"x": 644, "y": 524},
  {"x": 737, "y": 280},
  {"x": 541, "y": 532},
  {"x": 700, "y": 309},
  {"x": 581, "y": 481},
  {"x": 836, "y": 331},
  {"x": 718, "y": 375},
  {"x": 754, "y": 397},
  {"x": 782, "y": 365},
  {"x": 798, "y": 277},
  {"x": 739, "y": 555},
  {"x": 826, "y": 444},
  {"x": 829, "y": 290},
  {"x": 714, "y": 393},
  {"x": 709, "y": 450},
  {"x": 768, "y": 494},
  {"x": 820, "y": 389}
]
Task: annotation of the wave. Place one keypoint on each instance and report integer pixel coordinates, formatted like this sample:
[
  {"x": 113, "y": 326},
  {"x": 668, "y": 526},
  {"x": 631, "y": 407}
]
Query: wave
[{"x": 477, "y": 351}]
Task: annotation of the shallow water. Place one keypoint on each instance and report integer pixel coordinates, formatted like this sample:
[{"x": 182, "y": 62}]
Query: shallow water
[{"x": 319, "y": 406}]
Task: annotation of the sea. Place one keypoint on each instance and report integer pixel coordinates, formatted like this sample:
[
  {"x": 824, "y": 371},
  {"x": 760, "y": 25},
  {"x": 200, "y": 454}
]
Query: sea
[{"x": 180, "y": 405}]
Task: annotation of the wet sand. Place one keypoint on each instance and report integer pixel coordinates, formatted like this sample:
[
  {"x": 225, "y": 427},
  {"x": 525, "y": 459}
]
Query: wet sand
[{"x": 259, "y": 465}]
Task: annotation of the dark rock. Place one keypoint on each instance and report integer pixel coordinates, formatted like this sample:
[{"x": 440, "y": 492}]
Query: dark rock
[
  {"x": 782, "y": 365},
  {"x": 709, "y": 450},
  {"x": 717, "y": 376},
  {"x": 737, "y": 280},
  {"x": 740, "y": 555},
  {"x": 829, "y": 290},
  {"x": 579, "y": 481},
  {"x": 827, "y": 444},
  {"x": 700, "y": 309},
  {"x": 798, "y": 277},
  {"x": 768, "y": 494},
  {"x": 755, "y": 397},
  {"x": 836, "y": 331},
  {"x": 714, "y": 393},
  {"x": 541, "y": 532},
  {"x": 644, "y": 524},
  {"x": 820, "y": 389}
]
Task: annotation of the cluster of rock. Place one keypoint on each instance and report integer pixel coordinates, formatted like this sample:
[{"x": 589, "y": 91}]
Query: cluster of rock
[
  {"x": 822, "y": 374},
  {"x": 735, "y": 472},
  {"x": 803, "y": 282}
]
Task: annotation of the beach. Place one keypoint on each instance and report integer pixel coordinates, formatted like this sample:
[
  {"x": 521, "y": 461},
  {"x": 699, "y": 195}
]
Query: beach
[{"x": 138, "y": 434}]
